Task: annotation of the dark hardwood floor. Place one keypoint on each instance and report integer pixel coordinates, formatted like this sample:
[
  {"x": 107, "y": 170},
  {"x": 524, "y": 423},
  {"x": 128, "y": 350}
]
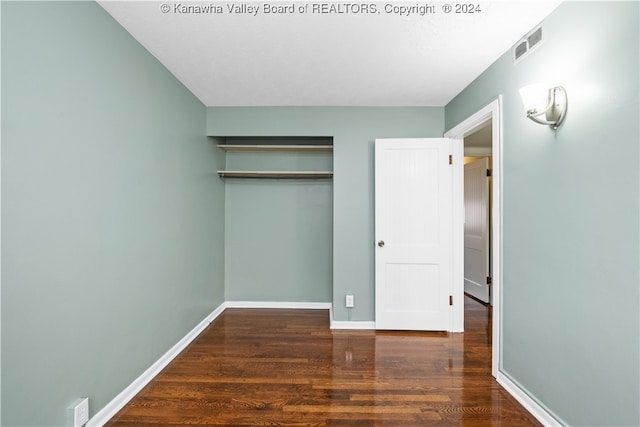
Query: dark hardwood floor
[{"x": 286, "y": 367}]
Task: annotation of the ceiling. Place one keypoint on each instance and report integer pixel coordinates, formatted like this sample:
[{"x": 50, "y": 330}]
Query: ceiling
[{"x": 326, "y": 59}]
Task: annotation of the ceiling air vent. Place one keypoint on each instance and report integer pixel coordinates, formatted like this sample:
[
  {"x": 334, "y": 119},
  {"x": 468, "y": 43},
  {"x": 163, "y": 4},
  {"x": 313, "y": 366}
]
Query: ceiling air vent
[{"x": 525, "y": 45}]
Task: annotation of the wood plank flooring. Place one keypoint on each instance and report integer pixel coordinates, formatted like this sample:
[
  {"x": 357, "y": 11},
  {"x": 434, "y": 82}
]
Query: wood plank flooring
[{"x": 287, "y": 368}]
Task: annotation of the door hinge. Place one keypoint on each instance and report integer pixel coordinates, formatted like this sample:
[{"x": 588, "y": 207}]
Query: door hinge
[
  {"x": 488, "y": 172},
  {"x": 450, "y": 299},
  {"x": 450, "y": 159},
  {"x": 488, "y": 280}
]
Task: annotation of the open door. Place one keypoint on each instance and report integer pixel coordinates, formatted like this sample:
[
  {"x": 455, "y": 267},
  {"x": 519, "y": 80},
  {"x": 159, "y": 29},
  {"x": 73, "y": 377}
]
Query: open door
[
  {"x": 477, "y": 278},
  {"x": 413, "y": 229}
]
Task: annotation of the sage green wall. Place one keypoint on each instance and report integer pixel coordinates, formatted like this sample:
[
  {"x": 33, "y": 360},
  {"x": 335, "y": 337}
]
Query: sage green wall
[
  {"x": 354, "y": 131},
  {"x": 570, "y": 291},
  {"x": 112, "y": 213}
]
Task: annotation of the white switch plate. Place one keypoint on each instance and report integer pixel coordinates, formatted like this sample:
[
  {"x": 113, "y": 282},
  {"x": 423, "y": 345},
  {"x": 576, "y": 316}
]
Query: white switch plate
[{"x": 349, "y": 301}]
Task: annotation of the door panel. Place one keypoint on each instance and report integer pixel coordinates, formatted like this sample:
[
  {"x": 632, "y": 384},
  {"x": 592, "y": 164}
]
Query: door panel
[
  {"x": 413, "y": 183},
  {"x": 476, "y": 229}
]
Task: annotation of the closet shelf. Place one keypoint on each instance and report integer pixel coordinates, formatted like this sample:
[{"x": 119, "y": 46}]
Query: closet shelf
[
  {"x": 267, "y": 148},
  {"x": 276, "y": 174}
]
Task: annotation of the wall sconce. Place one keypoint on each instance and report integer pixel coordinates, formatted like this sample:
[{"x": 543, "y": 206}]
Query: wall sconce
[{"x": 541, "y": 100}]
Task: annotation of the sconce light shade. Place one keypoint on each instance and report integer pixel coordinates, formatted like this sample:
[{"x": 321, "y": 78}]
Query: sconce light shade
[{"x": 542, "y": 100}]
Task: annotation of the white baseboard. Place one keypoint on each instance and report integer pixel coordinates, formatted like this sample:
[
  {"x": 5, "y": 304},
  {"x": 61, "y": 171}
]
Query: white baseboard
[
  {"x": 346, "y": 325},
  {"x": 279, "y": 304},
  {"x": 352, "y": 325},
  {"x": 112, "y": 408},
  {"x": 540, "y": 413}
]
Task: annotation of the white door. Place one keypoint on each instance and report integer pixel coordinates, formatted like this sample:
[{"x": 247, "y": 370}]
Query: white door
[
  {"x": 413, "y": 229},
  {"x": 476, "y": 229}
]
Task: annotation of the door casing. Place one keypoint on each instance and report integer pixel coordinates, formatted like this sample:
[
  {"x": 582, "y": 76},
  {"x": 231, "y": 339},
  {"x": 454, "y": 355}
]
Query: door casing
[{"x": 492, "y": 111}]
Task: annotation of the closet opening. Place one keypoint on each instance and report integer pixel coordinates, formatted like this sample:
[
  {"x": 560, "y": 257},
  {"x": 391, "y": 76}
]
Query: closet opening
[{"x": 278, "y": 218}]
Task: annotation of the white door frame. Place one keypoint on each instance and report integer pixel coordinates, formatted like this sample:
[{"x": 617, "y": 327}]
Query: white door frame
[{"x": 490, "y": 112}]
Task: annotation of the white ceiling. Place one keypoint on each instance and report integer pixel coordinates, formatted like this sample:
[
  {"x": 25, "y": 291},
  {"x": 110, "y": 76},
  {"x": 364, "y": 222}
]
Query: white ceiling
[{"x": 231, "y": 59}]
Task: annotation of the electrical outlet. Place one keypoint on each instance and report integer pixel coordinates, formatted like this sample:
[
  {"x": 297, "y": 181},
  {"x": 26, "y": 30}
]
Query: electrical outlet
[
  {"x": 349, "y": 302},
  {"x": 79, "y": 412}
]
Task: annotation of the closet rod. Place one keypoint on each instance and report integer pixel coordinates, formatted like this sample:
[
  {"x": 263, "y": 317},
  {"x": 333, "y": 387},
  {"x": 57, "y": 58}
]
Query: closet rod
[
  {"x": 268, "y": 148},
  {"x": 276, "y": 174}
]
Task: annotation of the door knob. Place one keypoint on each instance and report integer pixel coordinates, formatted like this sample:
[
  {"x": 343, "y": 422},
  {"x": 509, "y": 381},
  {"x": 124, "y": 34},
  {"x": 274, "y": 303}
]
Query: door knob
[{"x": 381, "y": 243}]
